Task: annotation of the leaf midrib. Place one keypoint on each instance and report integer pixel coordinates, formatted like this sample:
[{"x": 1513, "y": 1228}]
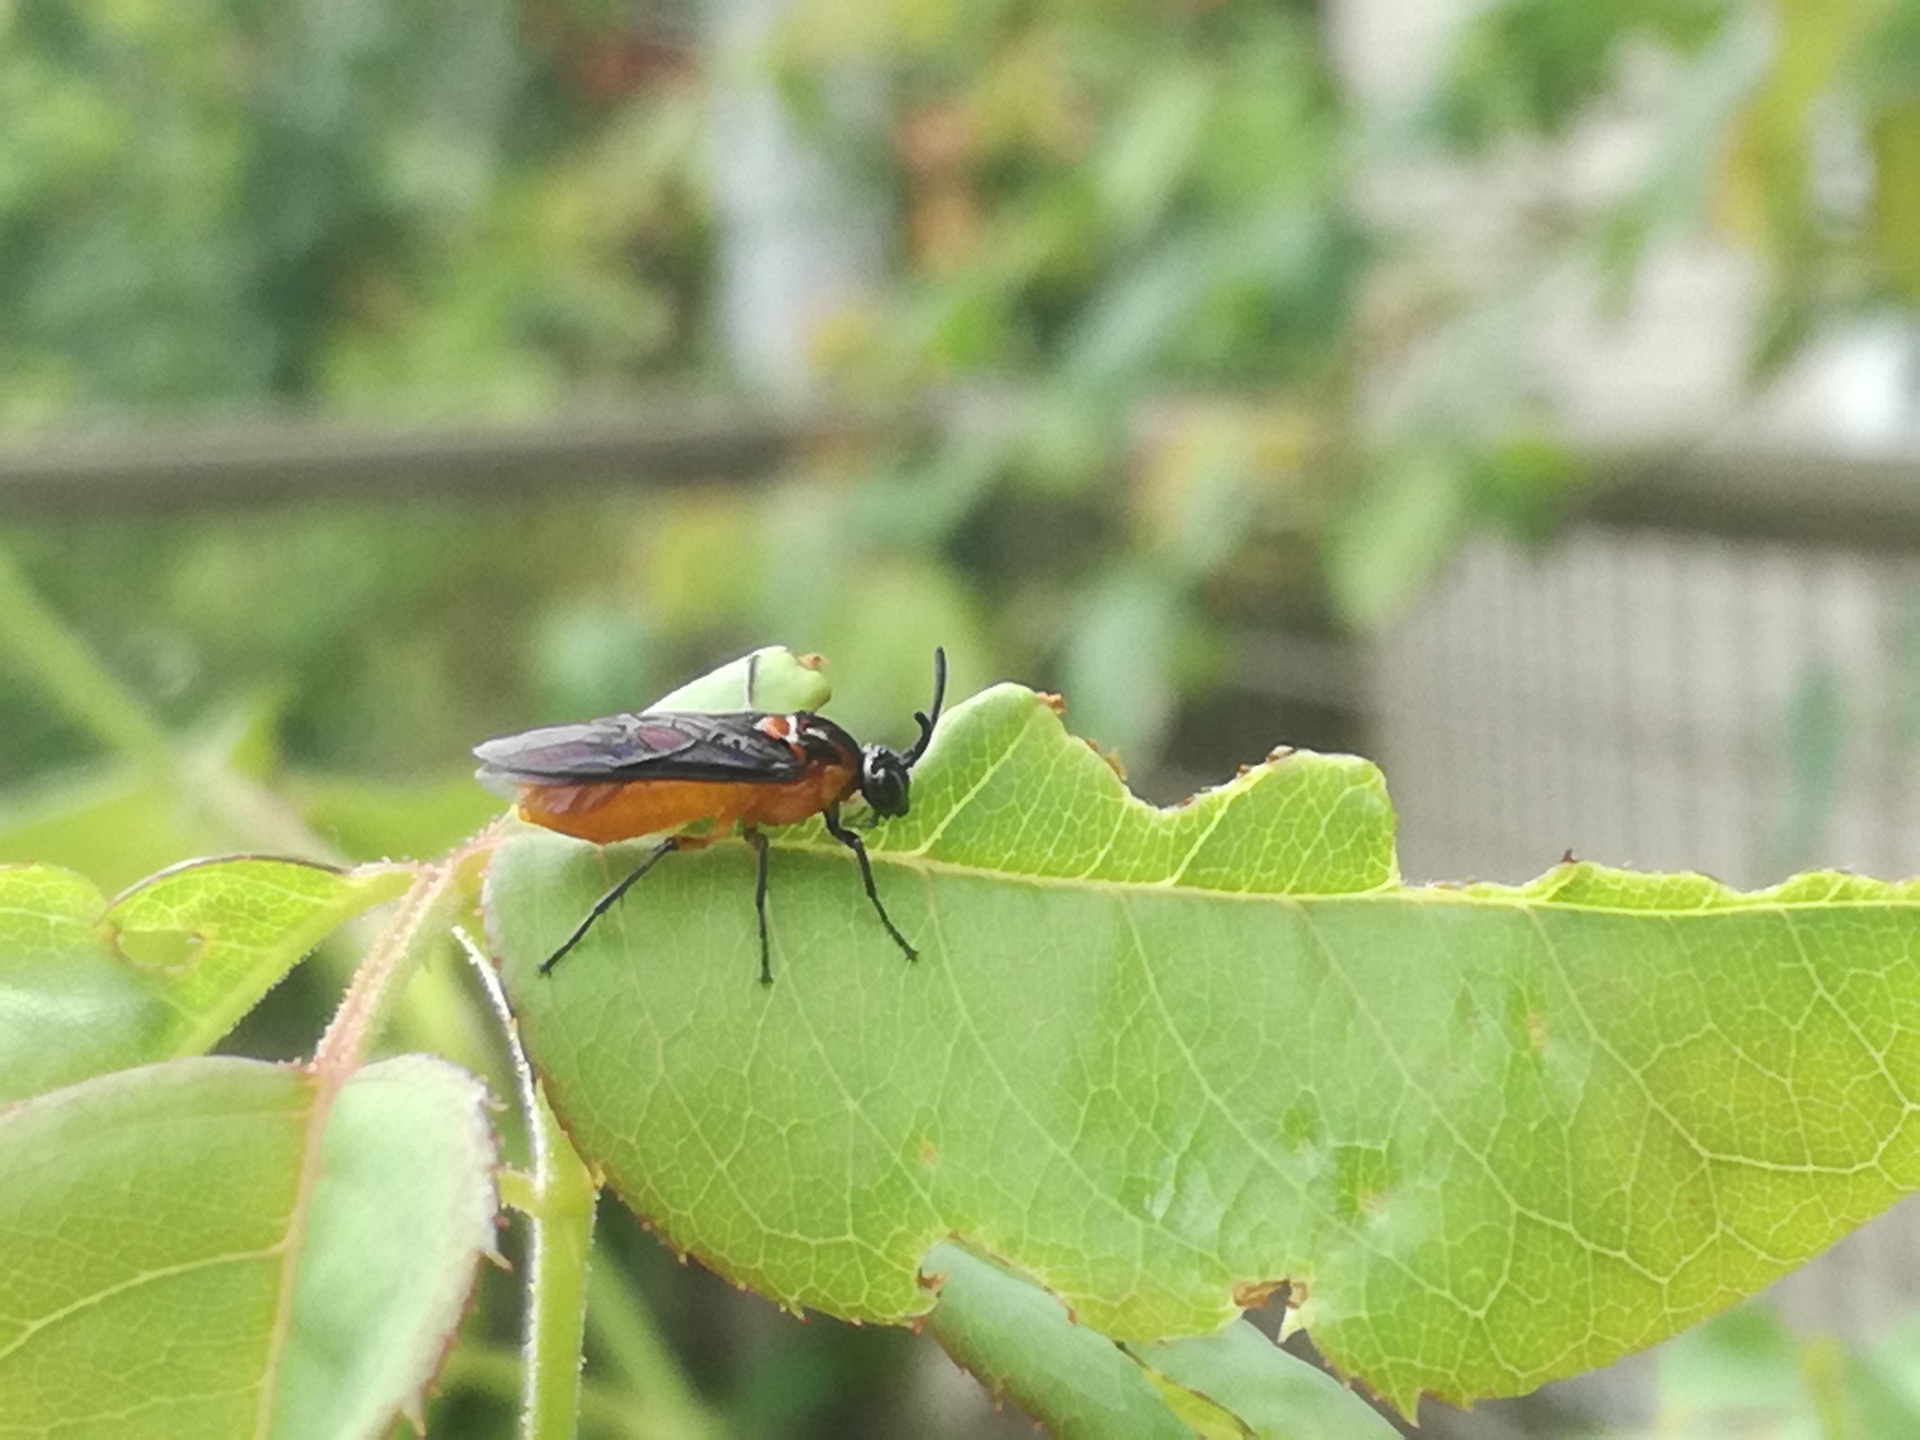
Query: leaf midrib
[
  {"x": 1734, "y": 902},
  {"x": 39, "y": 1324}
]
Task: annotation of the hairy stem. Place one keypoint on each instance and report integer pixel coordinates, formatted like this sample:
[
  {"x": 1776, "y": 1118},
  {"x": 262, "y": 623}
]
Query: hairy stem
[{"x": 558, "y": 1200}]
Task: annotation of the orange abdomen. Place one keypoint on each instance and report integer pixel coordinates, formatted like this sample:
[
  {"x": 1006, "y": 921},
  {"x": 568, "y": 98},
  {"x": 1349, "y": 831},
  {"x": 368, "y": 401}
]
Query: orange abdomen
[{"x": 607, "y": 811}]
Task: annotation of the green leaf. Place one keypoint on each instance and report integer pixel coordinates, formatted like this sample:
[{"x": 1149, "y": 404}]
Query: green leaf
[
  {"x": 1157, "y": 1059},
  {"x": 772, "y": 678},
  {"x": 225, "y": 1247},
  {"x": 167, "y": 970},
  {"x": 1272, "y": 1394},
  {"x": 1020, "y": 1342}
]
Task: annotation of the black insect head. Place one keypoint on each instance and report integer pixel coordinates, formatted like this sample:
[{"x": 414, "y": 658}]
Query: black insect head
[{"x": 884, "y": 779}]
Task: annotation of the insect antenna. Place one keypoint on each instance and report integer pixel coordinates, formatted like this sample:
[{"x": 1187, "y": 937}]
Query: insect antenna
[{"x": 928, "y": 721}]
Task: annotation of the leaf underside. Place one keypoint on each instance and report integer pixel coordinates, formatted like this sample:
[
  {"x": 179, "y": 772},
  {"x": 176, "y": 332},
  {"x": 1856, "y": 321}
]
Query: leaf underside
[{"x": 1155, "y": 1060}]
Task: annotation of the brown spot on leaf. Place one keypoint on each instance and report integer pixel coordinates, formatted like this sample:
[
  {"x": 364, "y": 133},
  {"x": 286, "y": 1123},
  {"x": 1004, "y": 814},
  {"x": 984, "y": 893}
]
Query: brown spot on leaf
[
  {"x": 1281, "y": 752},
  {"x": 1254, "y": 1294},
  {"x": 1537, "y": 1032},
  {"x": 1052, "y": 701},
  {"x": 812, "y": 660},
  {"x": 1566, "y": 857},
  {"x": 927, "y": 1153}
]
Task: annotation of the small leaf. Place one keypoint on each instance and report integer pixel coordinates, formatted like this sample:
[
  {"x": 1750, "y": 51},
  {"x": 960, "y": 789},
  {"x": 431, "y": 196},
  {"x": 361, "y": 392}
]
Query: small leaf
[
  {"x": 772, "y": 678},
  {"x": 178, "y": 1258},
  {"x": 1020, "y": 1341},
  {"x": 1272, "y": 1394},
  {"x": 1017, "y": 1340},
  {"x": 73, "y": 1004},
  {"x": 401, "y": 1213}
]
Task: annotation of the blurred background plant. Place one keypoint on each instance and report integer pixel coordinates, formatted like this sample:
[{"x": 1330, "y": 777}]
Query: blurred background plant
[{"x": 1175, "y": 355}]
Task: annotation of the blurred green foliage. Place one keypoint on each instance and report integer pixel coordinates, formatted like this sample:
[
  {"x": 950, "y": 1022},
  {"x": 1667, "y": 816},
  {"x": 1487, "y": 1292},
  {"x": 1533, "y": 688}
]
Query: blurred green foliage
[
  {"x": 1129, "y": 228},
  {"x": 1132, "y": 275},
  {"x": 1795, "y": 129},
  {"x": 1746, "y": 1373},
  {"x": 400, "y": 207}
]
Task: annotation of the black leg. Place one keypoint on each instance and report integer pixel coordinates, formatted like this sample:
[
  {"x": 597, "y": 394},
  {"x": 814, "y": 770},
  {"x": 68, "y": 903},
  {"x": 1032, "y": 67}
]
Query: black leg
[
  {"x": 607, "y": 901},
  {"x": 852, "y": 841},
  {"x": 759, "y": 843}
]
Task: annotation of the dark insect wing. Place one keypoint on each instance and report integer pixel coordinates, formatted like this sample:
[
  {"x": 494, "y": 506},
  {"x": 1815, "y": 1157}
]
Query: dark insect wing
[
  {"x": 664, "y": 745},
  {"x": 593, "y": 748}
]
